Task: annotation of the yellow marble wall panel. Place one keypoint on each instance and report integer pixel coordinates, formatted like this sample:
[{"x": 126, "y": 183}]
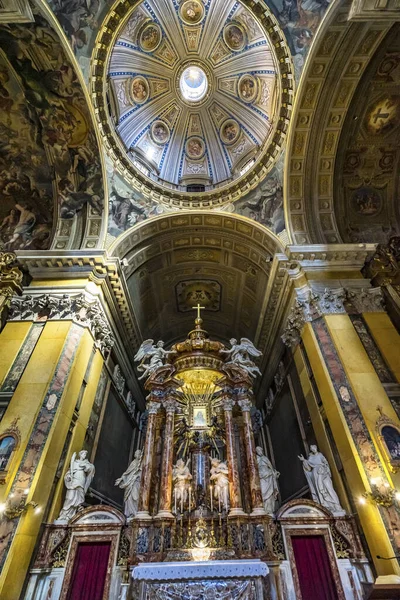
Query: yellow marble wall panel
[
  {"x": 386, "y": 338},
  {"x": 11, "y": 340},
  {"x": 370, "y": 518}
]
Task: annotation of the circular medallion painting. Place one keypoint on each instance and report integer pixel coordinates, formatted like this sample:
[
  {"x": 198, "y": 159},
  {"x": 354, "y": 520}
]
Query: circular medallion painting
[
  {"x": 230, "y": 131},
  {"x": 235, "y": 37},
  {"x": 367, "y": 202},
  {"x": 160, "y": 132},
  {"x": 192, "y": 12},
  {"x": 248, "y": 88},
  {"x": 139, "y": 90},
  {"x": 195, "y": 148},
  {"x": 150, "y": 37}
]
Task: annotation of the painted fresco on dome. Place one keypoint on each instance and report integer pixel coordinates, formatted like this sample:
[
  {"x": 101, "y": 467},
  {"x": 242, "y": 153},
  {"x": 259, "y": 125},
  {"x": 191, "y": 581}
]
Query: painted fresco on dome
[
  {"x": 265, "y": 203},
  {"x": 48, "y": 151}
]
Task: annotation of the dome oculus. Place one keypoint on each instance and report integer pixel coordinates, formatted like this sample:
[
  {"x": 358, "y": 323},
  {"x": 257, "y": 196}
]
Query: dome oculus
[{"x": 193, "y": 84}]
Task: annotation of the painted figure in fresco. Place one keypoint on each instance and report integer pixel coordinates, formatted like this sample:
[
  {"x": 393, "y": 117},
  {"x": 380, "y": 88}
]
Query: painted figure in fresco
[
  {"x": 150, "y": 357},
  {"x": 7, "y": 446},
  {"x": 319, "y": 479},
  {"x": 77, "y": 481},
  {"x": 26, "y": 222},
  {"x": 268, "y": 480},
  {"x": 240, "y": 355},
  {"x": 219, "y": 477},
  {"x": 130, "y": 483},
  {"x": 182, "y": 478}
]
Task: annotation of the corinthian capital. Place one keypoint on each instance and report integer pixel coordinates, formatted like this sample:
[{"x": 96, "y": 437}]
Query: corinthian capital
[
  {"x": 245, "y": 404},
  {"x": 153, "y": 407},
  {"x": 170, "y": 405},
  {"x": 227, "y": 403}
]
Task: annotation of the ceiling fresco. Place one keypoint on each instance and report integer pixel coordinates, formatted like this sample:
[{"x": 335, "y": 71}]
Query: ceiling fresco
[
  {"x": 49, "y": 159},
  {"x": 367, "y": 172}
]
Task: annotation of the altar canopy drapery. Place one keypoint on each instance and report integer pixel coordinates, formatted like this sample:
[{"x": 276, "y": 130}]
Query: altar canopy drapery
[
  {"x": 89, "y": 572},
  {"x": 313, "y": 568}
]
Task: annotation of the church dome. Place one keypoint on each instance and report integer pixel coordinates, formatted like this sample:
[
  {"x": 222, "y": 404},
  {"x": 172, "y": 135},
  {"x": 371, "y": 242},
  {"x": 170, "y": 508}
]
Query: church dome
[{"x": 193, "y": 100}]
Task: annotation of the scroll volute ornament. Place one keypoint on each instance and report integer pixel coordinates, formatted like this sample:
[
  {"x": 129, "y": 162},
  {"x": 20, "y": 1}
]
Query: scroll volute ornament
[{"x": 10, "y": 282}]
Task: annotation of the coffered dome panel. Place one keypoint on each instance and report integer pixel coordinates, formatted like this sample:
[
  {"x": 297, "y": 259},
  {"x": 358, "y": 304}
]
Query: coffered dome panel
[{"x": 194, "y": 94}]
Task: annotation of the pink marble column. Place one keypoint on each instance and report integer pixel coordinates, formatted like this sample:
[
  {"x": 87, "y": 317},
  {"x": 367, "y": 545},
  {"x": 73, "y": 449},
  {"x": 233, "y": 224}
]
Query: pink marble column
[
  {"x": 147, "y": 465},
  {"x": 254, "y": 477},
  {"x": 235, "y": 500},
  {"x": 165, "y": 504}
]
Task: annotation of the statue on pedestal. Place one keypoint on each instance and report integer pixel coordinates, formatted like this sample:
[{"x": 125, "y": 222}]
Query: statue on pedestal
[
  {"x": 130, "y": 482},
  {"x": 77, "y": 481},
  {"x": 150, "y": 357},
  {"x": 182, "y": 478},
  {"x": 268, "y": 480},
  {"x": 219, "y": 476},
  {"x": 240, "y": 354},
  {"x": 319, "y": 479}
]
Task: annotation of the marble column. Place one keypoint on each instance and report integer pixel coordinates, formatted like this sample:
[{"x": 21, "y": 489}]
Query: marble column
[
  {"x": 254, "y": 477},
  {"x": 234, "y": 488},
  {"x": 165, "y": 503},
  {"x": 148, "y": 456}
]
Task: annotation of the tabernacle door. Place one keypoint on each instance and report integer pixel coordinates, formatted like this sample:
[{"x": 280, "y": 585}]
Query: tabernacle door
[
  {"x": 89, "y": 571},
  {"x": 313, "y": 568}
]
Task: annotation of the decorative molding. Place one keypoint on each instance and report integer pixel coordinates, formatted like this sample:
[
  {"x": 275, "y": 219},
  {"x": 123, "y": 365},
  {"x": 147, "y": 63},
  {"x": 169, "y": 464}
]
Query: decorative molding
[
  {"x": 15, "y": 11},
  {"x": 311, "y": 305},
  {"x": 373, "y": 10},
  {"x": 76, "y": 308}
]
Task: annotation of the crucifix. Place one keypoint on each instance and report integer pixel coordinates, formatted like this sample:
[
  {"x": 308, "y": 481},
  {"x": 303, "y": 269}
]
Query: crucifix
[{"x": 198, "y": 308}]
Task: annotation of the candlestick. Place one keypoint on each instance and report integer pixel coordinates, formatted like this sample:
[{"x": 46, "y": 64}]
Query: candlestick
[
  {"x": 190, "y": 499},
  {"x": 219, "y": 501},
  {"x": 182, "y": 501},
  {"x": 211, "y": 497},
  {"x": 175, "y": 499}
]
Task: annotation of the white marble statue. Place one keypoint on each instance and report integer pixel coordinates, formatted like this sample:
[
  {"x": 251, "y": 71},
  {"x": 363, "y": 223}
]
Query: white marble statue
[
  {"x": 150, "y": 357},
  {"x": 268, "y": 480},
  {"x": 182, "y": 478},
  {"x": 77, "y": 481},
  {"x": 130, "y": 483},
  {"x": 219, "y": 476},
  {"x": 319, "y": 479},
  {"x": 240, "y": 355}
]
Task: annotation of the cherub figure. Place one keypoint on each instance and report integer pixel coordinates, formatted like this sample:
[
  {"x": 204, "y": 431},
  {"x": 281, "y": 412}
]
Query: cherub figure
[
  {"x": 240, "y": 355},
  {"x": 151, "y": 357}
]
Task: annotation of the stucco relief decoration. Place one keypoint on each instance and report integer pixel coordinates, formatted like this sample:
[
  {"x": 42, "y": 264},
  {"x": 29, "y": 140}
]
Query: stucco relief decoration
[
  {"x": 205, "y": 292},
  {"x": 192, "y": 12},
  {"x": 50, "y": 156},
  {"x": 367, "y": 201},
  {"x": 383, "y": 115}
]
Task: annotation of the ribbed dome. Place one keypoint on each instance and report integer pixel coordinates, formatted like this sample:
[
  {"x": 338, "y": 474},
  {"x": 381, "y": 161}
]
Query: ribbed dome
[{"x": 193, "y": 92}]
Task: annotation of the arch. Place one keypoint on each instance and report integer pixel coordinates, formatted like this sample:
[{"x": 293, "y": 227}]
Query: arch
[
  {"x": 333, "y": 70},
  {"x": 173, "y": 261}
]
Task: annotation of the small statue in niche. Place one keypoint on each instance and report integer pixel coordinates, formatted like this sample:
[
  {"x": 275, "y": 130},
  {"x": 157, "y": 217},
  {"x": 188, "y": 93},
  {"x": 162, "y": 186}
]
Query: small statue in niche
[
  {"x": 319, "y": 479},
  {"x": 219, "y": 476},
  {"x": 130, "y": 483},
  {"x": 239, "y": 354},
  {"x": 77, "y": 481},
  {"x": 182, "y": 478},
  {"x": 151, "y": 357},
  {"x": 268, "y": 480}
]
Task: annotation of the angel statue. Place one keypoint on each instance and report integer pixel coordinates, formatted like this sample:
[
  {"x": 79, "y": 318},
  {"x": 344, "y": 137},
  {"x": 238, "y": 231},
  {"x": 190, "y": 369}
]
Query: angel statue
[
  {"x": 182, "y": 483},
  {"x": 77, "y": 481},
  {"x": 219, "y": 477},
  {"x": 150, "y": 357},
  {"x": 240, "y": 355}
]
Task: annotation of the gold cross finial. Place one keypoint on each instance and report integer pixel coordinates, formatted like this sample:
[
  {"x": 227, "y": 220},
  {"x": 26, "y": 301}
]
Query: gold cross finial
[{"x": 198, "y": 308}]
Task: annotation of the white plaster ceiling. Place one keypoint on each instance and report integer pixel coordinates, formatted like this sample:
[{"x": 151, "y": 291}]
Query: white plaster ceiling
[{"x": 147, "y": 103}]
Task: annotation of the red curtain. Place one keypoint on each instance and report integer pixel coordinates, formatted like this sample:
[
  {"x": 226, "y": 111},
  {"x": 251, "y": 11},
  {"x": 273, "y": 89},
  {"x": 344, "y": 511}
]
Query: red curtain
[
  {"x": 313, "y": 568},
  {"x": 89, "y": 571}
]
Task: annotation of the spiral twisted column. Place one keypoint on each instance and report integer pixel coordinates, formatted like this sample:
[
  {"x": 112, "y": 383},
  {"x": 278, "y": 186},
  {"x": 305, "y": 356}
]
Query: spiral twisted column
[
  {"x": 165, "y": 503},
  {"x": 254, "y": 477},
  {"x": 148, "y": 459},
  {"x": 235, "y": 499}
]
